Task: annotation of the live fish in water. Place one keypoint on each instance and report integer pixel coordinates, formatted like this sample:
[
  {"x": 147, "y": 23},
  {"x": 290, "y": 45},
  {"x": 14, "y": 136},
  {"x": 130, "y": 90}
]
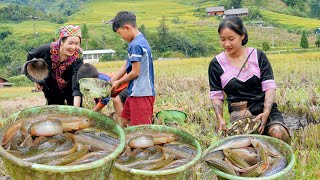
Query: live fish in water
[
  {"x": 149, "y": 150},
  {"x": 58, "y": 140},
  {"x": 247, "y": 157}
]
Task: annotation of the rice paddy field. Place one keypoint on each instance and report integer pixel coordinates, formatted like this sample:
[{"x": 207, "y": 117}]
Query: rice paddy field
[
  {"x": 291, "y": 21},
  {"x": 183, "y": 85}
]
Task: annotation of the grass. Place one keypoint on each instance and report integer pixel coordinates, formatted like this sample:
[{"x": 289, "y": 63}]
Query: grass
[
  {"x": 306, "y": 149},
  {"x": 16, "y": 92},
  {"x": 183, "y": 85}
]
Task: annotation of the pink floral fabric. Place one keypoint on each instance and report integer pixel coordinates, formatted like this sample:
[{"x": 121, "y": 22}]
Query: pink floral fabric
[{"x": 59, "y": 67}]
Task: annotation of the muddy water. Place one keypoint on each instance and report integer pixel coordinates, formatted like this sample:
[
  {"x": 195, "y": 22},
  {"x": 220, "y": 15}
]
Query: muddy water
[{"x": 295, "y": 122}]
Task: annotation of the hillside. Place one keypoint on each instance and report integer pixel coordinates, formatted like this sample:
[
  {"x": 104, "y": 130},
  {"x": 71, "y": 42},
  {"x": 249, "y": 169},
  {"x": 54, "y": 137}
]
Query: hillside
[{"x": 179, "y": 19}]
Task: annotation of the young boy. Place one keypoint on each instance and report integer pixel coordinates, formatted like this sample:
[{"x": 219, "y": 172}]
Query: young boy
[
  {"x": 138, "y": 107},
  {"x": 119, "y": 95}
]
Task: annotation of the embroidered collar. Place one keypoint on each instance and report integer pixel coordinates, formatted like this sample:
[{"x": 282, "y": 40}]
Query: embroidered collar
[{"x": 231, "y": 72}]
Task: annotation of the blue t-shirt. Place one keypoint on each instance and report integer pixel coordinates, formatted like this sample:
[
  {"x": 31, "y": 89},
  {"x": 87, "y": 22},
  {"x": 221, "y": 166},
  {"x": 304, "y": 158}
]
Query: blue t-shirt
[
  {"x": 104, "y": 77},
  {"x": 139, "y": 51}
]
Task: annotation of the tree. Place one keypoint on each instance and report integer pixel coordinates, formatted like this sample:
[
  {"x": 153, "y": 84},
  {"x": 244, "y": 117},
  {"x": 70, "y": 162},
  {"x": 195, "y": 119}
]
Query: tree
[
  {"x": 163, "y": 36},
  {"x": 4, "y": 34},
  {"x": 200, "y": 13},
  {"x": 142, "y": 29},
  {"x": 318, "y": 41},
  {"x": 265, "y": 46},
  {"x": 85, "y": 32},
  {"x": 304, "y": 40},
  {"x": 314, "y": 8},
  {"x": 292, "y": 3},
  {"x": 254, "y": 13},
  {"x": 163, "y": 29},
  {"x": 235, "y": 3},
  {"x": 259, "y": 2}
]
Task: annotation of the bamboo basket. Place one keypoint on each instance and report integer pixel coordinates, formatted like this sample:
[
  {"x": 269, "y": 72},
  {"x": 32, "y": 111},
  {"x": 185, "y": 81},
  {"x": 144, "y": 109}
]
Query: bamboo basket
[
  {"x": 100, "y": 169},
  {"x": 120, "y": 172},
  {"x": 283, "y": 147}
]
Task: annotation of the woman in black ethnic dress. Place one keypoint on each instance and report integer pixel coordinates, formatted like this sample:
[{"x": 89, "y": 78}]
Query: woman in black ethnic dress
[
  {"x": 244, "y": 74},
  {"x": 63, "y": 59}
]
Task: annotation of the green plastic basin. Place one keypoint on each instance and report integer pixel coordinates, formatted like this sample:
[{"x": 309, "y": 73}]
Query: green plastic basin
[
  {"x": 169, "y": 116},
  {"x": 283, "y": 147},
  {"x": 100, "y": 169},
  {"x": 183, "y": 172}
]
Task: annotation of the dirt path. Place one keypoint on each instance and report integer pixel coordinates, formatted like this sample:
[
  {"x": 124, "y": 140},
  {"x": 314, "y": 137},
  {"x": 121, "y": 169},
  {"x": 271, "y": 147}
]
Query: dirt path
[{"x": 8, "y": 107}]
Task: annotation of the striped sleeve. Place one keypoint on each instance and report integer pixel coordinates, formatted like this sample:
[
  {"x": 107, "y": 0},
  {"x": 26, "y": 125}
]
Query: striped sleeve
[{"x": 136, "y": 53}]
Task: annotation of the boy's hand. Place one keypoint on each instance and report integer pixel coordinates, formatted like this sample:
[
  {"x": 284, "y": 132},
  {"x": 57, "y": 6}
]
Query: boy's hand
[{"x": 115, "y": 85}]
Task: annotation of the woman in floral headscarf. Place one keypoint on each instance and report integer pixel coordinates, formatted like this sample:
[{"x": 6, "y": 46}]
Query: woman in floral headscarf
[{"x": 63, "y": 60}]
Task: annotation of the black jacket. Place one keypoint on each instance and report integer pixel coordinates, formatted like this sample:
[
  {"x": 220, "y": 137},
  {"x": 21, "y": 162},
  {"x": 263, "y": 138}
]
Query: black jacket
[{"x": 69, "y": 75}]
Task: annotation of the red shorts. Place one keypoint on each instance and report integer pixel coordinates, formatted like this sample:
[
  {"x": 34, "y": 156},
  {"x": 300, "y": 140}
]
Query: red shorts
[{"x": 138, "y": 110}]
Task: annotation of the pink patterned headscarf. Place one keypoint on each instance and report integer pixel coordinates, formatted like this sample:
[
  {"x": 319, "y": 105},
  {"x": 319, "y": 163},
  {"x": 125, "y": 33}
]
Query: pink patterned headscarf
[
  {"x": 59, "y": 67},
  {"x": 69, "y": 30}
]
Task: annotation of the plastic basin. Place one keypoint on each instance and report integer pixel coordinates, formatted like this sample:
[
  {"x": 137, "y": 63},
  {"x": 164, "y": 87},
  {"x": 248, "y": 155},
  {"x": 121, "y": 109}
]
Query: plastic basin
[
  {"x": 100, "y": 169},
  {"x": 183, "y": 172},
  {"x": 283, "y": 147},
  {"x": 169, "y": 116}
]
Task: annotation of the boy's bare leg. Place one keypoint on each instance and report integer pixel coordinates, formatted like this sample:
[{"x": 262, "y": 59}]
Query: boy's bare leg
[
  {"x": 118, "y": 106},
  {"x": 122, "y": 121}
]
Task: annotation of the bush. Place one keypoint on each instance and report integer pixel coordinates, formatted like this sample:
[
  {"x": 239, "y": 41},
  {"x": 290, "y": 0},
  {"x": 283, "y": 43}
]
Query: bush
[
  {"x": 106, "y": 57},
  {"x": 318, "y": 41},
  {"x": 304, "y": 40},
  {"x": 4, "y": 34},
  {"x": 265, "y": 46},
  {"x": 120, "y": 55}
]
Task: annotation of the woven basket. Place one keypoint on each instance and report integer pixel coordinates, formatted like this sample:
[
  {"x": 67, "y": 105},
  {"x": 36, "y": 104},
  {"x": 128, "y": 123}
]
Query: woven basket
[
  {"x": 99, "y": 169},
  {"x": 36, "y": 70},
  {"x": 283, "y": 147},
  {"x": 183, "y": 172}
]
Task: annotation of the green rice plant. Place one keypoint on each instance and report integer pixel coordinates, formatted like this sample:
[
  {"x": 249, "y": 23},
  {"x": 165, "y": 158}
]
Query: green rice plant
[
  {"x": 306, "y": 146},
  {"x": 291, "y": 21}
]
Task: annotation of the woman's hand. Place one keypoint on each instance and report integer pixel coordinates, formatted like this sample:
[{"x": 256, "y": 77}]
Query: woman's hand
[
  {"x": 222, "y": 125},
  {"x": 263, "y": 117},
  {"x": 38, "y": 87}
]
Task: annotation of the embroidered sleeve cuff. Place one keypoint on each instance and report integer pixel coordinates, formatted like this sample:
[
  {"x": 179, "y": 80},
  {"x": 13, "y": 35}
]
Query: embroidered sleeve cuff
[
  {"x": 268, "y": 84},
  {"x": 216, "y": 95}
]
